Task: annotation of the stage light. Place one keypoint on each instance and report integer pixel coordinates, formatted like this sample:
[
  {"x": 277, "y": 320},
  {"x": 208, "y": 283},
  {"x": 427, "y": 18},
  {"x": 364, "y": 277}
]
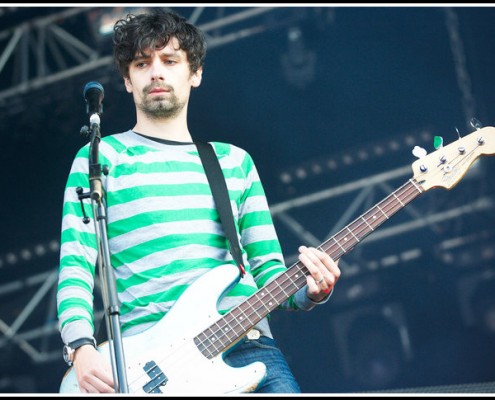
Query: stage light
[
  {"x": 298, "y": 63},
  {"x": 367, "y": 152},
  {"x": 27, "y": 254},
  {"x": 102, "y": 20}
]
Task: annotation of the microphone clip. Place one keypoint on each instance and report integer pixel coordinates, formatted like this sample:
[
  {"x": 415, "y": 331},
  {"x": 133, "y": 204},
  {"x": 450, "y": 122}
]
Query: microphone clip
[{"x": 82, "y": 195}]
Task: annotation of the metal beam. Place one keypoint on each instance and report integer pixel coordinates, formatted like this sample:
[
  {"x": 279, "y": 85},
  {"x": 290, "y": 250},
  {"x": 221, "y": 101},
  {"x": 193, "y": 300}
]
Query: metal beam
[{"x": 73, "y": 56}]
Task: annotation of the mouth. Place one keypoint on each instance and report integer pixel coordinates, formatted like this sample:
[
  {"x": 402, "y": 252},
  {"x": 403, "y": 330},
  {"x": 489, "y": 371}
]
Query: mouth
[{"x": 158, "y": 91}]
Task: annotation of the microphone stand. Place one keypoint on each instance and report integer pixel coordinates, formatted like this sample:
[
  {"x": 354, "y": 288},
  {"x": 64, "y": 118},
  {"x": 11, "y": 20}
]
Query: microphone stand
[{"x": 109, "y": 292}]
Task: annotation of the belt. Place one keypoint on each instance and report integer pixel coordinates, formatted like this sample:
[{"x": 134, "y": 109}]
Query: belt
[{"x": 253, "y": 334}]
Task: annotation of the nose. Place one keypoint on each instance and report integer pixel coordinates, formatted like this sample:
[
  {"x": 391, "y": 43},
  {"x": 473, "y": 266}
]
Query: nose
[{"x": 156, "y": 70}]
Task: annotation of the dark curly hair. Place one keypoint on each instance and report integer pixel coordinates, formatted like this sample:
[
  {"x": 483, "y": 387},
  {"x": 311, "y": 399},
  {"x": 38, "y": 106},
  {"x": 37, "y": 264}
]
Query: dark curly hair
[{"x": 138, "y": 34}]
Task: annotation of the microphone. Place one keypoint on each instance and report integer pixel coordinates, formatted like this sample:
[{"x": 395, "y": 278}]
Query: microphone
[{"x": 93, "y": 95}]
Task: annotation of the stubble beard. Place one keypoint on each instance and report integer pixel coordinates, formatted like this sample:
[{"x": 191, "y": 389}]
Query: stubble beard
[{"x": 159, "y": 107}]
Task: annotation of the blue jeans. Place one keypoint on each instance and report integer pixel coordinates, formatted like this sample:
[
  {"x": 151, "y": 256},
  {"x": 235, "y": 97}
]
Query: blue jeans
[{"x": 279, "y": 378}]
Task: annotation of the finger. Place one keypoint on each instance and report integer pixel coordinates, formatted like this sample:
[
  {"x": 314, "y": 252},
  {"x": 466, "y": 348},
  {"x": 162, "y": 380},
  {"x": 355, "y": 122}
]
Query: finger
[
  {"x": 315, "y": 292},
  {"x": 314, "y": 288},
  {"x": 311, "y": 260},
  {"x": 318, "y": 264},
  {"x": 326, "y": 264},
  {"x": 87, "y": 387},
  {"x": 98, "y": 381},
  {"x": 105, "y": 384},
  {"x": 315, "y": 275}
]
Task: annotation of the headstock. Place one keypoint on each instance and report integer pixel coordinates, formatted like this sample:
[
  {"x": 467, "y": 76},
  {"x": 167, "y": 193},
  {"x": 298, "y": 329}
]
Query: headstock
[{"x": 446, "y": 166}]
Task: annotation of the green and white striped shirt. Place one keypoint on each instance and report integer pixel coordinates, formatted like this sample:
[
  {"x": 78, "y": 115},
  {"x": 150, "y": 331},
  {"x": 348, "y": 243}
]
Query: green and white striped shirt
[{"x": 163, "y": 231}]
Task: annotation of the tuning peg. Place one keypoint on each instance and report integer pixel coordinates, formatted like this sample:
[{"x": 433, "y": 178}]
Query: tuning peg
[
  {"x": 475, "y": 123},
  {"x": 419, "y": 152},
  {"x": 437, "y": 142}
]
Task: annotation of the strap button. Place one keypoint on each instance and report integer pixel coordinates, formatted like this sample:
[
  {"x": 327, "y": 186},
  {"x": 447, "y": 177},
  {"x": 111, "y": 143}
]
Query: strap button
[{"x": 254, "y": 334}]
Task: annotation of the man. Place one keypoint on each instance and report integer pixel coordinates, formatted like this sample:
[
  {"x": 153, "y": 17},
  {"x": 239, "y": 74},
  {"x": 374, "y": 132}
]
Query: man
[{"x": 163, "y": 228}]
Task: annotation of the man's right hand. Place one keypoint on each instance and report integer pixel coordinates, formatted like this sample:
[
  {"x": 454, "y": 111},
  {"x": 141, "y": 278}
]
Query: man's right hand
[{"x": 93, "y": 372}]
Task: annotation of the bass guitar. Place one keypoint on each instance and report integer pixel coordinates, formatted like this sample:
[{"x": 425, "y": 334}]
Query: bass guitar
[{"x": 183, "y": 352}]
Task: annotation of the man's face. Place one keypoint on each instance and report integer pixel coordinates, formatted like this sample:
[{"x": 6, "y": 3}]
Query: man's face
[{"x": 161, "y": 82}]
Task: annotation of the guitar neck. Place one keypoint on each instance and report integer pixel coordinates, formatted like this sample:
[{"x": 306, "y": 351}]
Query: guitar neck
[
  {"x": 347, "y": 238},
  {"x": 240, "y": 319}
]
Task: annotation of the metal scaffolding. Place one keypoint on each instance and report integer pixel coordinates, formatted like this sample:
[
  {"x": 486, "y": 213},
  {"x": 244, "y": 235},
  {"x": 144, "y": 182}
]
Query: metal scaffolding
[{"x": 48, "y": 49}]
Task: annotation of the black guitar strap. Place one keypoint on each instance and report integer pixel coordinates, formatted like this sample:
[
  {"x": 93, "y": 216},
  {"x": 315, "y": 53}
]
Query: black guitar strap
[{"x": 220, "y": 192}]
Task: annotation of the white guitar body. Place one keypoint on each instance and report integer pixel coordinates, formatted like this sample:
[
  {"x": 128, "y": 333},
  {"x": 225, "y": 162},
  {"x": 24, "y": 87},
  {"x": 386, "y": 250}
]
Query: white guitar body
[{"x": 180, "y": 366}]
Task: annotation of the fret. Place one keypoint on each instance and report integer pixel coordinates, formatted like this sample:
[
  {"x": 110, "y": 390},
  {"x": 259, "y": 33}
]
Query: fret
[
  {"x": 270, "y": 304},
  {"x": 225, "y": 329},
  {"x": 285, "y": 295},
  {"x": 246, "y": 317},
  {"x": 398, "y": 200},
  {"x": 357, "y": 228},
  {"x": 203, "y": 345},
  {"x": 414, "y": 183},
  {"x": 366, "y": 222},
  {"x": 343, "y": 238},
  {"x": 291, "y": 274},
  {"x": 382, "y": 211},
  {"x": 372, "y": 218},
  {"x": 256, "y": 309},
  {"x": 212, "y": 339},
  {"x": 259, "y": 307},
  {"x": 338, "y": 244},
  {"x": 242, "y": 319},
  {"x": 352, "y": 234}
]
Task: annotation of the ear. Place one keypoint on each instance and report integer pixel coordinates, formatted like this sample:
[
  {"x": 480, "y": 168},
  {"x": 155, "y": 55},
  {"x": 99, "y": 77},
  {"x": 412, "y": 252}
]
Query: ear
[
  {"x": 128, "y": 85},
  {"x": 196, "y": 77}
]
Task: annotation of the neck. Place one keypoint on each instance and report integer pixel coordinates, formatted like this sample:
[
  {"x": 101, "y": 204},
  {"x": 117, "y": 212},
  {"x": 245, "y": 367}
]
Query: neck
[{"x": 174, "y": 129}]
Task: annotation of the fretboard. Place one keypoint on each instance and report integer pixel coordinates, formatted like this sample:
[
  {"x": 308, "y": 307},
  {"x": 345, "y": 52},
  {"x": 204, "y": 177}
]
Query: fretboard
[{"x": 233, "y": 325}]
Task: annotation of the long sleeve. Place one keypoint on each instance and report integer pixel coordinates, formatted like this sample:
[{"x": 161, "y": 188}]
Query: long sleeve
[{"x": 78, "y": 255}]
